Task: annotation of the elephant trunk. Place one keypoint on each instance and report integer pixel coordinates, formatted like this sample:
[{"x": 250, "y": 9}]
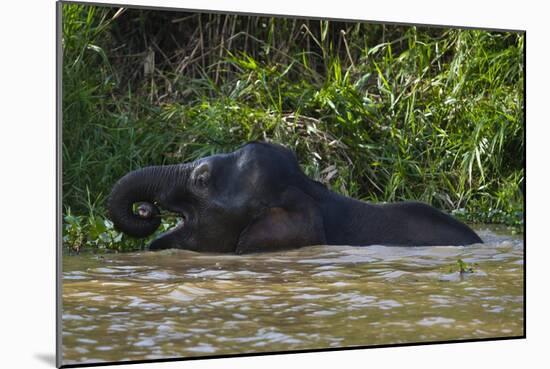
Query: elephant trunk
[{"x": 145, "y": 185}]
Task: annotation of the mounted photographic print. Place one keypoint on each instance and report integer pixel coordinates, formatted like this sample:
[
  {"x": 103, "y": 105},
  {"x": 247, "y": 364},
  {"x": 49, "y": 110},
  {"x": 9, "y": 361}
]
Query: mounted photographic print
[{"x": 239, "y": 184}]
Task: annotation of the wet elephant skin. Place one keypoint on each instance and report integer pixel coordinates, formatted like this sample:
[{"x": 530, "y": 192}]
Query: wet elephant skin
[{"x": 257, "y": 198}]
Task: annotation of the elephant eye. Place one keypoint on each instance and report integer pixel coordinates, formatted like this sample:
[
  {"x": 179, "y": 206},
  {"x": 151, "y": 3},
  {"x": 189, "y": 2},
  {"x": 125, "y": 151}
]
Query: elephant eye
[
  {"x": 202, "y": 180},
  {"x": 202, "y": 175}
]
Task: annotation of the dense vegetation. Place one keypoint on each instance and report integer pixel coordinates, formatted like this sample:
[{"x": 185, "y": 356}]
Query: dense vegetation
[{"x": 377, "y": 112}]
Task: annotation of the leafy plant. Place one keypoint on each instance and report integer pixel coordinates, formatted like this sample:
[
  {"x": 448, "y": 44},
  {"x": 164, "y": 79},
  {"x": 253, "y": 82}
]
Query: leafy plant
[
  {"x": 377, "y": 112},
  {"x": 462, "y": 267}
]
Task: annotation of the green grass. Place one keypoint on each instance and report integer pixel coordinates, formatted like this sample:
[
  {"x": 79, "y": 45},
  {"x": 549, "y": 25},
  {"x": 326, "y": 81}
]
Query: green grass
[{"x": 380, "y": 113}]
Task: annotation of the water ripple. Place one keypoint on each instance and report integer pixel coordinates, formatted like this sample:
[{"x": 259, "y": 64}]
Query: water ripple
[{"x": 179, "y": 303}]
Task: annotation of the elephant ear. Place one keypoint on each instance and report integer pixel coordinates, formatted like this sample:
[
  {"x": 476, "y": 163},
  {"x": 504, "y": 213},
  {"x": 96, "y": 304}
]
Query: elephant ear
[{"x": 293, "y": 222}]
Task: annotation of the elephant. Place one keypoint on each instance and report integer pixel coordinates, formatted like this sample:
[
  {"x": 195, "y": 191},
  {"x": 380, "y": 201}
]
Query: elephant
[{"x": 258, "y": 199}]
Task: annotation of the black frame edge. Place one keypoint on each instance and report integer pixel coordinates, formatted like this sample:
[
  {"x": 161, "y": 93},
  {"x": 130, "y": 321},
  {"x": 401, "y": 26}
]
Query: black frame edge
[
  {"x": 281, "y": 15},
  {"x": 58, "y": 184}
]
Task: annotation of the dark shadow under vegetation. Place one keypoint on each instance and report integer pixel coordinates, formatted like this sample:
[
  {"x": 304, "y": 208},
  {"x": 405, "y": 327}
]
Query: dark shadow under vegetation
[{"x": 376, "y": 112}]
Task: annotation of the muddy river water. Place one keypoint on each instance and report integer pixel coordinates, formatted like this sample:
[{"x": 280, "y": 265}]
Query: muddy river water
[{"x": 152, "y": 305}]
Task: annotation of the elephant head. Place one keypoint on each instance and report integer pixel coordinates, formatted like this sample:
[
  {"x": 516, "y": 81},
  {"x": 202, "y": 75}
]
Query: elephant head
[{"x": 249, "y": 200}]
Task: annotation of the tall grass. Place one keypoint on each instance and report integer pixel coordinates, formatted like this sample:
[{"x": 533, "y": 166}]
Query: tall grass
[{"x": 377, "y": 112}]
